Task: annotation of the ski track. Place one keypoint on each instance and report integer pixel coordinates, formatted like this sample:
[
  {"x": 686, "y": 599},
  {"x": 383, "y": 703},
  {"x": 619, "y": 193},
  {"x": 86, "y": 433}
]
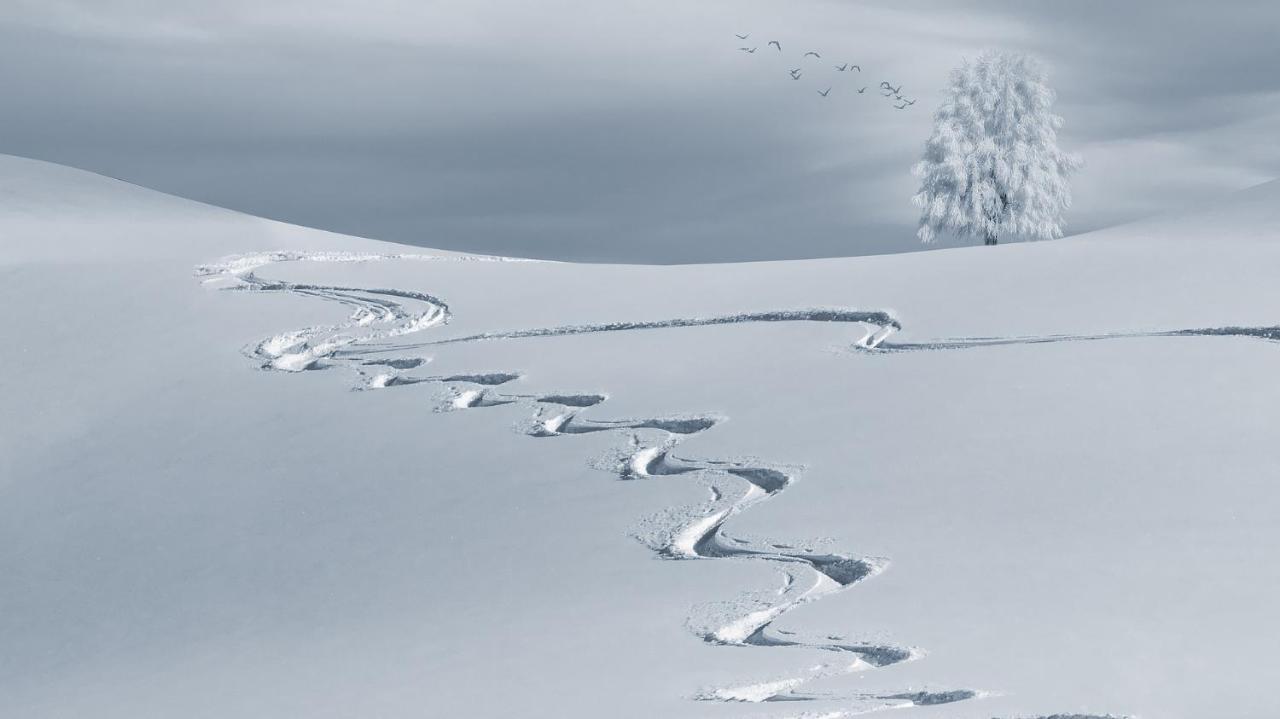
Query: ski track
[
  {"x": 1269, "y": 334},
  {"x": 883, "y": 323},
  {"x": 682, "y": 533}
]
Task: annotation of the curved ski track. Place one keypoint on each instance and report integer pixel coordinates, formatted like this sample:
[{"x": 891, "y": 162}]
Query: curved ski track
[{"x": 682, "y": 533}]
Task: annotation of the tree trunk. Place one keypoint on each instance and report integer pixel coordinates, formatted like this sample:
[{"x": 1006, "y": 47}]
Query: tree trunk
[{"x": 1004, "y": 206}]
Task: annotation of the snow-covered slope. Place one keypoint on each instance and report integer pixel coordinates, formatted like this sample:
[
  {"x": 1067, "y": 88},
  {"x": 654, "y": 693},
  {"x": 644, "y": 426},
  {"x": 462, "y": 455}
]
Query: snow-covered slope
[{"x": 1021, "y": 481}]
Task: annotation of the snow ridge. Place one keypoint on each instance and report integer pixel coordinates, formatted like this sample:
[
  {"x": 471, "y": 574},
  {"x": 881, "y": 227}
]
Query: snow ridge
[{"x": 681, "y": 533}]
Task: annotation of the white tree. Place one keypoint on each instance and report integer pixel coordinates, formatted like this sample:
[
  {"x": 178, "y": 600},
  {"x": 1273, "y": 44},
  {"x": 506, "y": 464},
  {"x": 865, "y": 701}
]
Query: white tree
[{"x": 992, "y": 167}]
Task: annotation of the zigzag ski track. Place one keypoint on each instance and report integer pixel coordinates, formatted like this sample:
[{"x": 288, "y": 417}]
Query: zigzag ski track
[{"x": 366, "y": 342}]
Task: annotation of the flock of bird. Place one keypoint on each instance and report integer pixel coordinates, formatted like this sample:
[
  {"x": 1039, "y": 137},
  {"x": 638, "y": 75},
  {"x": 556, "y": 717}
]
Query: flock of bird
[{"x": 886, "y": 88}]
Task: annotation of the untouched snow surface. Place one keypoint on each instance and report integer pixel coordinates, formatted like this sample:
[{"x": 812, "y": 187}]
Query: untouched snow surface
[{"x": 1025, "y": 481}]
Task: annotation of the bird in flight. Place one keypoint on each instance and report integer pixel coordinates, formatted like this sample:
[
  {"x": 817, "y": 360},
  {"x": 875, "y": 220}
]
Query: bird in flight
[
  {"x": 900, "y": 106},
  {"x": 747, "y": 49},
  {"x": 811, "y": 52},
  {"x": 743, "y": 37},
  {"x": 856, "y": 67},
  {"x": 842, "y": 68},
  {"x": 795, "y": 74},
  {"x": 862, "y": 90},
  {"x": 824, "y": 92},
  {"x": 884, "y": 85},
  {"x": 776, "y": 44},
  {"x": 905, "y": 101}
]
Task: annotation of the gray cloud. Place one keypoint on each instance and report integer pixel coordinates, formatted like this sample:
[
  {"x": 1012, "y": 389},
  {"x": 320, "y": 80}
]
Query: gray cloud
[{"x": 623, "y": 131}]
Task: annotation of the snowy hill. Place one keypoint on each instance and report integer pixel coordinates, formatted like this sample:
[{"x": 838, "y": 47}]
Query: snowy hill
[{"x": 1025, "y": 481}]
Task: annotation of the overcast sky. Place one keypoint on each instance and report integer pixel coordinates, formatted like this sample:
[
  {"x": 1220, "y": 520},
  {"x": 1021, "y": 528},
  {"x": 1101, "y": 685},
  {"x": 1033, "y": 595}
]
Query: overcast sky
[{"x": 619, "y": 129}]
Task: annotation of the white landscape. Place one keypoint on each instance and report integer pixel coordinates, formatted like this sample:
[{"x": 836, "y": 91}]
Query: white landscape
[
  {"x": 725, "y": 359},
  {"x": 258, "y": 470}
]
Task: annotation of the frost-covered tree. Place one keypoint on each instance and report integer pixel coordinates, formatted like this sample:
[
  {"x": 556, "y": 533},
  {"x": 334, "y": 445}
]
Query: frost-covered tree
[{"x": 992, "y": 167}]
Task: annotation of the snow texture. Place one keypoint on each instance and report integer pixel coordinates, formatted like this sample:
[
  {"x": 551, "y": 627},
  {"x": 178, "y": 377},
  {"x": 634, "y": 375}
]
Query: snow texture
[{"x": 710, "y": 470}]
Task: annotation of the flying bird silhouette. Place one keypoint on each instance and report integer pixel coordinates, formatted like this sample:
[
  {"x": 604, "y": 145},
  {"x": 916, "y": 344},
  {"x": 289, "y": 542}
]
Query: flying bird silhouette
[
  {"x": 862, "y": 90},
  {"x": 811, "y": 52},
  {"x": 856, "y": 67},
  {"x": 824, "y": 92},
  {"x": 900, "y": 107},
  {"x": 742, "y": 37},
  {"x": 795, "y": 74},
  {"x": 842, "y": 68},
  {"x": 747, "y": 49},
  {"x": 884, "y": 85},
  {"x": 908, "y": 102},
  {"x": 776, "y": 44}
]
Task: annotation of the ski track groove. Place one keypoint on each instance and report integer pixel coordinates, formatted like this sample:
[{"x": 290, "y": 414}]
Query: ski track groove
[
  {"x": 697, "y": 532},
  {"x": 1268, "y": 334}
]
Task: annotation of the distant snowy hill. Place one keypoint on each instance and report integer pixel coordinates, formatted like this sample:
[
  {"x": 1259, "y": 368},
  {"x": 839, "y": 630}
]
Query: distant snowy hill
[{"x": 249, "y": 469}]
